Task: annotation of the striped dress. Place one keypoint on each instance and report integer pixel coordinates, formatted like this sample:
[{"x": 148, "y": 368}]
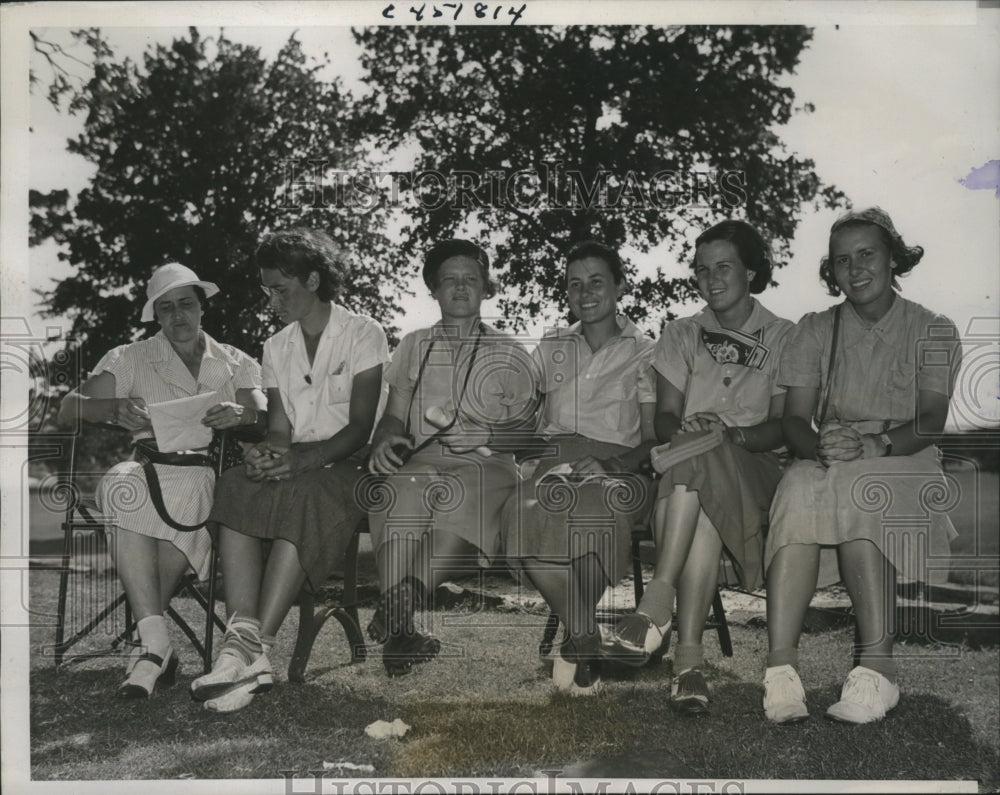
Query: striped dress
[{"x": 150, "y": 369}]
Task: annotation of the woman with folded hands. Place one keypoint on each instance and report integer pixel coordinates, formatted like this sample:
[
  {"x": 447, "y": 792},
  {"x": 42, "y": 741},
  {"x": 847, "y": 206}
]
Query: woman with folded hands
[
  {"x": 180, "y": 361},
  {"x": 716, "y": 374},
  {"x": 286, "y": 518},
  {"x": 869, "y": 382}
]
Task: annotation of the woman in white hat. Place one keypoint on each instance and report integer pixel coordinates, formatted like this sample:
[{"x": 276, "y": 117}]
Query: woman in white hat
[{"x": 179, "y": 361}]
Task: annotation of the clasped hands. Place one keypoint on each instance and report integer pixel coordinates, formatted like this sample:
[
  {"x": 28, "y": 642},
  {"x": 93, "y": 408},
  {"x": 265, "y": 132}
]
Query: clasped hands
[
  {"x": 270, "y": 460},
  {"x": 840, "y": 443}
]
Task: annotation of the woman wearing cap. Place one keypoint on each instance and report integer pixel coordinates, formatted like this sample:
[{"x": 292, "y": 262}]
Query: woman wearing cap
[
  {"x": 570, "y": 539},
  {"x": 875, "y": 374},
  {"x": 454, "y": 390},
  {"x": 286, "y": 519},
  {"x": 716, "y": 381},
  {"x": 179, "y": 361}
]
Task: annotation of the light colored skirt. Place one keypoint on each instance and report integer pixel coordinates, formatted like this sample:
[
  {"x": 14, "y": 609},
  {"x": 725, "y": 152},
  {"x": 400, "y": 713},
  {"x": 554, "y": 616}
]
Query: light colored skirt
[
  {"x": 559, "y": 523},
  {"x": 315, "y": 511},
  {"x": 443, "y": 492},
  {"x": 123, "y": 497},
  {"x": 734, "y": 488},
  {"x": 899, "y": 503}
]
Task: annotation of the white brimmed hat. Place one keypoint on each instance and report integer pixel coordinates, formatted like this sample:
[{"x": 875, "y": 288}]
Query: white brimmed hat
[{"x": 166, "y": 278}]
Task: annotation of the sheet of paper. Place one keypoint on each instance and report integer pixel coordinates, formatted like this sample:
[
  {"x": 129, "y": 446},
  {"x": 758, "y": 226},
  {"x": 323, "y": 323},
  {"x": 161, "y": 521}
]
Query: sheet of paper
[{"x": 177, "y": 423}]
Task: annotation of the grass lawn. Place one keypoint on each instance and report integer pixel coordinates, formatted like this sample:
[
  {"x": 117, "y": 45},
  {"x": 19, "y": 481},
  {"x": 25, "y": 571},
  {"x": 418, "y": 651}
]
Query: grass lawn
[{"x": 485, "y": 708}]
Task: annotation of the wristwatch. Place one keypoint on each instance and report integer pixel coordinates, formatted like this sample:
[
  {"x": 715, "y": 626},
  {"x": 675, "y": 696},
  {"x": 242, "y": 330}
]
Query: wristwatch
[{"x": 884, "y": 438}]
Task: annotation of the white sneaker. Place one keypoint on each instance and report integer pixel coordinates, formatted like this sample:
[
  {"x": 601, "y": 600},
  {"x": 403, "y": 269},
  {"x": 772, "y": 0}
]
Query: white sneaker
[
  {"x": 235, "y": 699},
  {"x": 867, "y": 696},
  {"x": 231, "y": 672},
  {"x": 784, "y": 696}
]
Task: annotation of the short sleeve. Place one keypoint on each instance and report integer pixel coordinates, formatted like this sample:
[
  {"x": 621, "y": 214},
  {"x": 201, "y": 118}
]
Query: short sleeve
[
  {"x": 370, "y": 347},
  {"x": 939, "y": 356},
  {"x": 646, "y": 381},
  {"x": 397, "y": 374},
  {"x": 669, "y": 359},
  {"x": 248, "y": 371},
  {"x": 268, "y": 378},
  {"x": 782, "y": 332},
  {"x": 801, "y": 363},
  {"x": 118, "y": 362}
]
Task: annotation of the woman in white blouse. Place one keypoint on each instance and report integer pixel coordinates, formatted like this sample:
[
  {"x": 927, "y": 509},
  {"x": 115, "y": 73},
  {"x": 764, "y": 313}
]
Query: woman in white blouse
[
  {"x": 151, "y": 555},
  {"x": 295, "y": 497}
]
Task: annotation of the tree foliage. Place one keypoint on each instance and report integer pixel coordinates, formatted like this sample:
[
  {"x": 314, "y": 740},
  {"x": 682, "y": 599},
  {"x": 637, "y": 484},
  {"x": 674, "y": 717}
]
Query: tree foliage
[
  {"x": 619, "y": 106},
  {"x": 191, "y": 152}
]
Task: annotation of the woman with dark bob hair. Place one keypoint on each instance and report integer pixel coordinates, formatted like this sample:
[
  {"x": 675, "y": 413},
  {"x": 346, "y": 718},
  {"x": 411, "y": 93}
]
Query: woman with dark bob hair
[
  {"x": 716, "y": 391},
  {"x": 874, "y": 375},
  {"x": 294, "y": 500},
  {"x": 455, "y": 389},
  {"x": 598, "y": 402}
]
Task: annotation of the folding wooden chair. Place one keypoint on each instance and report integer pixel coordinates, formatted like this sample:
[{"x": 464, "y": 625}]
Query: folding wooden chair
[
  {"x": 82, "y": 516},
  {"x": 643, "y": 551},
  {"x": 313, "y": 617}
]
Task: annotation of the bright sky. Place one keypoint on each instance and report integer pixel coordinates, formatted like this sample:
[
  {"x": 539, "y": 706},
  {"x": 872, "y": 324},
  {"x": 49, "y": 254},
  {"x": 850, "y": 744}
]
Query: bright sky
[{"x": 903, "y": 112}]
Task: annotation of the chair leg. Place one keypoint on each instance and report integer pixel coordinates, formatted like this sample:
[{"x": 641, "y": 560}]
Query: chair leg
[
  {"x": 722, "y": 624},
  {"x": 549, "y": 635},
  {"x": 312, "y": 619},
  {"x": 186, "y": 629},
  {"x": 210, "y": 610},
  {"x": 304, "y": 639},
  {"x": 60, "y": 648},
  {"x": 637, "y": 584},
  {"x": 351, "y": 577}
]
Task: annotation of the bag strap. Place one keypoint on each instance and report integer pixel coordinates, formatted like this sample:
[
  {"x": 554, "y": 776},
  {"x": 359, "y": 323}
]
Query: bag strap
[
  {"x": 146, "y": 454},
  {"x": 829, "y": 368},
  {"x": 468, "y": 373}
]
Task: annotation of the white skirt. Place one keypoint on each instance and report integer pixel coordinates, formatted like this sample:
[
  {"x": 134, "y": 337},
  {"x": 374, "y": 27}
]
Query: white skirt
[
  {"x": 899, "y": 503},
  {"x": 123, "y": 499}
]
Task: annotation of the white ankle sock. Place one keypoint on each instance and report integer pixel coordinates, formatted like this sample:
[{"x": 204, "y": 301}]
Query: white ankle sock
[
  {"x": 153, "y": 634},
  {"x": 154, "y": 638}
]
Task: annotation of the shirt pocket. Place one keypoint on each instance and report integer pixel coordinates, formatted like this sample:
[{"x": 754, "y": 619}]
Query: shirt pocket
[
  {"x": 618, "y": 397},
  {"x": 338, "y": 388}
]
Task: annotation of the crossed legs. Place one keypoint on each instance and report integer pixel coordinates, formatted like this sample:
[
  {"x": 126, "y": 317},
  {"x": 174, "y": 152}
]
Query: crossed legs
[{"x": 687, "y": 564}]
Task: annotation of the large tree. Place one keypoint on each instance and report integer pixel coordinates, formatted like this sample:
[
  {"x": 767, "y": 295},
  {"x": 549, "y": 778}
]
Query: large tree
[
  {"x": 656, "y": 131},
  {"x": 197, "y": 152}
]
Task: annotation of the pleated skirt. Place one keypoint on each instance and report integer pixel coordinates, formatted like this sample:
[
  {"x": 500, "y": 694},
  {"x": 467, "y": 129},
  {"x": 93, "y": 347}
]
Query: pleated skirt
[{"x": 316, "y": 511}]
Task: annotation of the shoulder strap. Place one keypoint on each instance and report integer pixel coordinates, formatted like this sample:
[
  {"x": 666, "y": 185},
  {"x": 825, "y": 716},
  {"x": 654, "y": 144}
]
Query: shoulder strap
[
  {"x": 156, "y": 493},
  {"x": 829, "y": 368}
]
